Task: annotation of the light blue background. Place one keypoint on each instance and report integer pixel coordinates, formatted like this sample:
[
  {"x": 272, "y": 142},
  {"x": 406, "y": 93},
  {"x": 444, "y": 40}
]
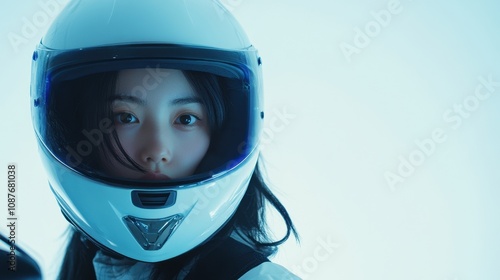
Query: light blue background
[{"x": 349, "y": 121}]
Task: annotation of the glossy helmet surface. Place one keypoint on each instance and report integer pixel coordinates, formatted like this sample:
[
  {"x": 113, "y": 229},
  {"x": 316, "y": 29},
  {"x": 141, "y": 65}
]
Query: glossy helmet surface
[{"x": 145, "y": 220}]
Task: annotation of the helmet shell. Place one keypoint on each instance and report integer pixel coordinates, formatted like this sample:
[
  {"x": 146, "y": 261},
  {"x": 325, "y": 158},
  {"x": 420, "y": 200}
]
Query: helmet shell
[
  {"x": 93, "y": 36},
  {"x": 91, "y": 23}
]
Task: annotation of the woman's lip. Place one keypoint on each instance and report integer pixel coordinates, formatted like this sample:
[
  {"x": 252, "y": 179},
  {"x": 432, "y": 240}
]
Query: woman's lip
[{"x": 155, "y": 176}]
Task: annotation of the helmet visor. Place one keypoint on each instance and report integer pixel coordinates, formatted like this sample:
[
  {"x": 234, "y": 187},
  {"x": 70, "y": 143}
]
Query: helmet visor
[{"x": 147, "y": 115}]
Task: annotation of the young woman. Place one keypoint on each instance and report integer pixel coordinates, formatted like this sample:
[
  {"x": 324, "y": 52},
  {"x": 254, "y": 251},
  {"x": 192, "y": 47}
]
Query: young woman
[{"x": 148, "y": 116}]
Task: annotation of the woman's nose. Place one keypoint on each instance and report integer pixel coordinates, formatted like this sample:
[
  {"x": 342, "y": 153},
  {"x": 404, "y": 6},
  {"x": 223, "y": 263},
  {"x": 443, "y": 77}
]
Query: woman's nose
[{"x": 155, "y": 147}]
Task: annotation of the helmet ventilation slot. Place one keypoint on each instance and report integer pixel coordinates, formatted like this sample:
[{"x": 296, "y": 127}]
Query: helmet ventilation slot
[{"x": 153, "y": 200}]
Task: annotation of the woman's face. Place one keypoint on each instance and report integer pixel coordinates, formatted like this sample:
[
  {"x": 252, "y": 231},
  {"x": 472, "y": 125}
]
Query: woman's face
[{"x": 161, "y": 124}]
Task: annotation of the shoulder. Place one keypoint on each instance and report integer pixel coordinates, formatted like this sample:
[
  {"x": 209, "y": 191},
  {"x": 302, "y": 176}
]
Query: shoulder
[{"x": 269, "y": 271}]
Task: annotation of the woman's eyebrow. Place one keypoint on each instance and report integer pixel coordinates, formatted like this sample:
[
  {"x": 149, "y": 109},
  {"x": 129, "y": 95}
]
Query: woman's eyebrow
[
  {"x": 128, "y": 98},
  {"x": 185, "y": 100}
]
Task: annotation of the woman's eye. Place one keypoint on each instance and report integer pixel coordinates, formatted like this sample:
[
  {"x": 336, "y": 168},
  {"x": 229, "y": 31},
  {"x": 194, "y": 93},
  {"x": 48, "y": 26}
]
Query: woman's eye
[
  {"x": 187, "y": 120},
  {"x": 125, "y": 118}
]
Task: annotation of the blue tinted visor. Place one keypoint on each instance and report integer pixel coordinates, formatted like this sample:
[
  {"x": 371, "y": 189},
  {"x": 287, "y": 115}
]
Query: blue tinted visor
[{"x": 75, "y": 120}]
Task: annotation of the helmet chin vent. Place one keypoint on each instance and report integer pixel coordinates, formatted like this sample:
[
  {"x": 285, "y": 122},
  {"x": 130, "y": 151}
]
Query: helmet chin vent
[
  {"x": 152, "y": 234},
  {"x": 151, "y": 200}
]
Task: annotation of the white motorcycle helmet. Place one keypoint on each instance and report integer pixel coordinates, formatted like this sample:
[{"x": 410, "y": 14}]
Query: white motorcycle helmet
[{"x": 145, "y": 220}]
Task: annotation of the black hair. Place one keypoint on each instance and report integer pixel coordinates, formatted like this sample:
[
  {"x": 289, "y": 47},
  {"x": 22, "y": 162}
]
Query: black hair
[{"x": 249, "y": 220}]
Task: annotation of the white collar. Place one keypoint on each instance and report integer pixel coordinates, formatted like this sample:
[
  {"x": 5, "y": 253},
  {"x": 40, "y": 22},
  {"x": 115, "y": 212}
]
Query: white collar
[{"x": 107, "y": 267}]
